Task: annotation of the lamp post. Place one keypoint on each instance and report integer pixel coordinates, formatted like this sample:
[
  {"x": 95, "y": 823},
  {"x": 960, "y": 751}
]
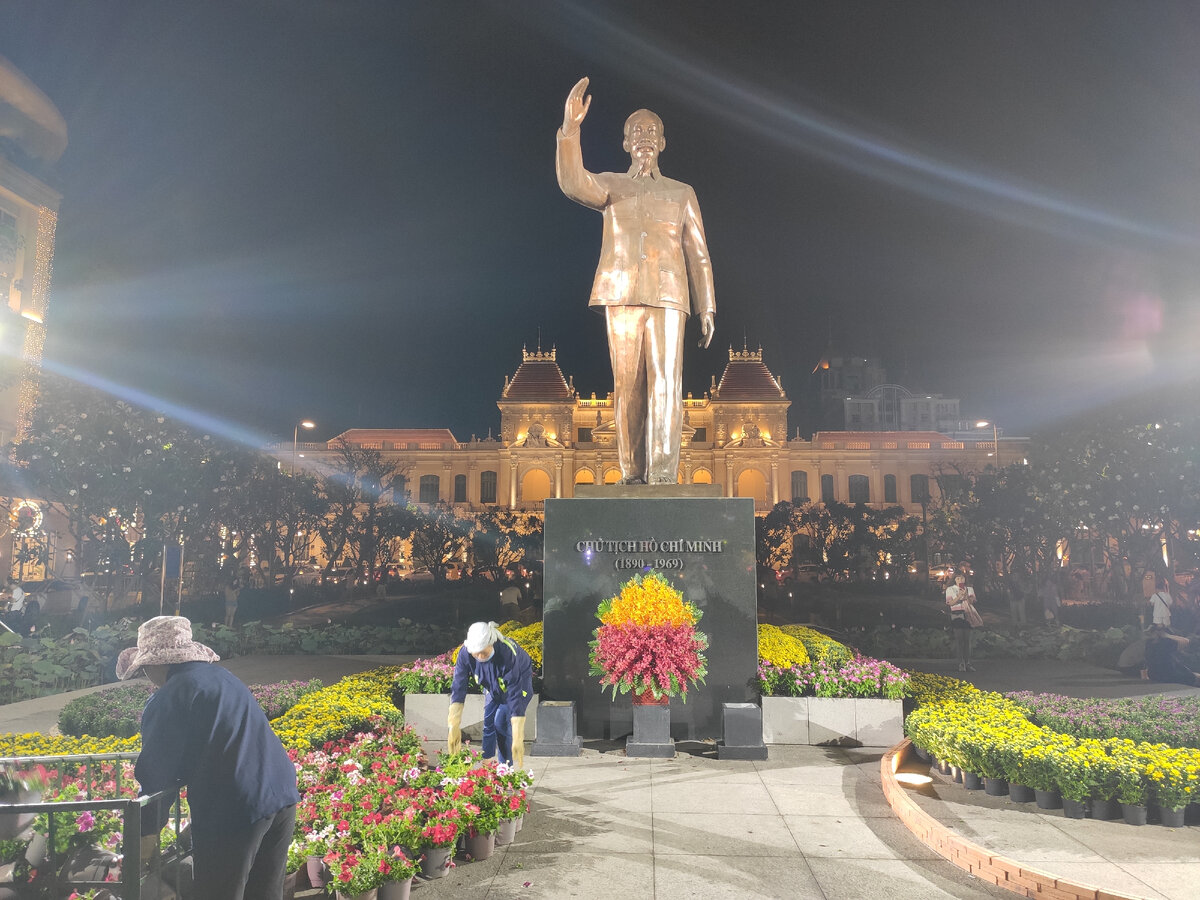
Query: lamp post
[
  {"x": 995, "y": 438},
  {"x": 296, "y": 435}
]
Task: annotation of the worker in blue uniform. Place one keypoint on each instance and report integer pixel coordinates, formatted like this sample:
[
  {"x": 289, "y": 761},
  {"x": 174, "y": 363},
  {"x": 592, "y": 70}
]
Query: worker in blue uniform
[{"x": 504, "y": 671}]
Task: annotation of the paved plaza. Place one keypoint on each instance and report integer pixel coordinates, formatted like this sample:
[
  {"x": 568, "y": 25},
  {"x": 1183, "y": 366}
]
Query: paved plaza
[{"x": 808, "y": 822}]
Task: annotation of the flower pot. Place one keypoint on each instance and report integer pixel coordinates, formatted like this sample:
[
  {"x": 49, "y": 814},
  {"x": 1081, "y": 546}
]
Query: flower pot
[
  {"x": 956, "y": 773},
  {"x": 1133, "y": 813},
  {"x": 12, "y": 824},
  {"x": 943, "y": 767},
  {"x": 396, "y": 890},
  {"x": 922, "y": 753},
  {"x": 1019, "y": 793},
  {"x": 436, "y": 861},
  {"x": 1074, "y": 809},
  {"x": 38, "y": 850},
  {"x": 520, "y": 820},
  {"x": 372, "y": 894},
  {"x": 1171, "y": 818},
  {"x": 318, "y": 873},
  {"x": 289, "y": 885},
  {"x": 971, "y": 781},
  {"x": 1105, "y": 808},
  {"x": 995, "y": 787},
  {"x": 648, "y": 699},
  {"x": 1048, "y": 799},
  {"x": 507, "y": 832},
  {"x": 480, "y": 846}
]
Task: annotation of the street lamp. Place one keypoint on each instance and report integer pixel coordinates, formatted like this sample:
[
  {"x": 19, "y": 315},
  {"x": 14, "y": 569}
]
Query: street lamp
[
  {"x": 295, "y": 436},
  {"x": 995, "y": 439}
]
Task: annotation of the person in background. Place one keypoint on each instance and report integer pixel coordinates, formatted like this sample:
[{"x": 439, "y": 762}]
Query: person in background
[
  {"x": 504, "y": 671},
  {"x": 1051, "y": 600},
  {"x": 232, "y": 591},
  {"x": 203, "y": 729},
  {"x": 961, "y": 600},
  {"x": 18, "y": 612},
  {"x": 1162, "y": 658},
  {"x": 1160, "y": 604}
]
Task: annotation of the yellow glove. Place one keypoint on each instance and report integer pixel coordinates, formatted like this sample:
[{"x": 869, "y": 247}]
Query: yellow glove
[
  {"x": 518, "y": 741},
  {"x": 454, "y": 723}
]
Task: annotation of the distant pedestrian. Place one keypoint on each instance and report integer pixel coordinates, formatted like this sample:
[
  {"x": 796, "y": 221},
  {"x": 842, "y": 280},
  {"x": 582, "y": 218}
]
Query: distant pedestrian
[
  {"x": 233, "y": 590},
  {"x": 963, "y": 617},
  {"x": 1160, "y": 604},
  {"x": 1051, "y": 600},
  {"x": 1011, "y": 591}
]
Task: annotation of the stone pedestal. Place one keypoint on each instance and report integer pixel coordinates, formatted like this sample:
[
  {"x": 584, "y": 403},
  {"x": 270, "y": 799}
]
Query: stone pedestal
[
  {"x": 743, "y": 732},
  {"x": 703, "y": 545},
  {"x": 651, "y": 733},
  {"x": 557, "y": 736}
]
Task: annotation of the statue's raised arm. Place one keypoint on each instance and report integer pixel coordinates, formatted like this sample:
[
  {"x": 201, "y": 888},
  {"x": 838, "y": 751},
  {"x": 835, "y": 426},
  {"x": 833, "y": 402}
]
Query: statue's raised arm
[{"x": 577, "y": 106}]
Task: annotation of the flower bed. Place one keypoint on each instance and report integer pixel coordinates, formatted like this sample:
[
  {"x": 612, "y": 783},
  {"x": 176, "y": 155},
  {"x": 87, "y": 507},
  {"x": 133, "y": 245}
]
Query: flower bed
[
  {"x": 994, "y": 736},
  {"x": 1174, "y": 721},
  {"x": 118, "y": 711}
]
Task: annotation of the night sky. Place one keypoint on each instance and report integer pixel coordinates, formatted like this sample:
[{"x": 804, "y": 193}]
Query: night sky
[{"x": 347, "y": 211}]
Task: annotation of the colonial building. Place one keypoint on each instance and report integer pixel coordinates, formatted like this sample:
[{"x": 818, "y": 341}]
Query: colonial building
[{"x": 551, "y": 440}]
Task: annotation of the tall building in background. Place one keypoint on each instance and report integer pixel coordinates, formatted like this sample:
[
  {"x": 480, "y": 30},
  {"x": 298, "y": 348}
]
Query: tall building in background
[
  {"x": 33, "y": 136},
  {"x": 852, "y": 393}
]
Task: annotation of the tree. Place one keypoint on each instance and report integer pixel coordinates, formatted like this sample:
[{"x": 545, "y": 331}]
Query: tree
[
  {"x": 362, "y": 519},
  {"x": 502, "y": 536},
  {"x": 439, "y": 537}
]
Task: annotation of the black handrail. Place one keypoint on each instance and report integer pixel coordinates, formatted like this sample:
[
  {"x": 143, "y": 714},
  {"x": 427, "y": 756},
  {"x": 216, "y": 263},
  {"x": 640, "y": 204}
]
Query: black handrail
[{"x": 130, "y": 809}]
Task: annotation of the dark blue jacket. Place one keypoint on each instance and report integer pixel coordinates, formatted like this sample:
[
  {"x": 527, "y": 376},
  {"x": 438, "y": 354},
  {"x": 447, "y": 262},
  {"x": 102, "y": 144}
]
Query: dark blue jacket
[
  {"x": 204, "y": 729},
  {"x": 508, "y": 675}
]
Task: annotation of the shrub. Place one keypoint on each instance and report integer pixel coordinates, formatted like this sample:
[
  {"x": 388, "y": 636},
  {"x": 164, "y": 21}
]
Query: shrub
[
  {"x": 819, "y": 646},
  {"x": 779, "y": 649},
  {"x": 115, "y": 712}
]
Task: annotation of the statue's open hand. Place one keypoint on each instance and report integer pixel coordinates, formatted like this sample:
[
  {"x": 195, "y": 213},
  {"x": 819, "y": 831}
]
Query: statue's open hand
[
  {"x": 577, "y": 106},
  {"x": 706, "y": 330}
]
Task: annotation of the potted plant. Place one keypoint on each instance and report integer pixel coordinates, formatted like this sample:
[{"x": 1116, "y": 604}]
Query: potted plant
[
  {"x": 356, "y": 872},
  {"x": 397, "y": 870},
  {"x": 647, "y": 642}
]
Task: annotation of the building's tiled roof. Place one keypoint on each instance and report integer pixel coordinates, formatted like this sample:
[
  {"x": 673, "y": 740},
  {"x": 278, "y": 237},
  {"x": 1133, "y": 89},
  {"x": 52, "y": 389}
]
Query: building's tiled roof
[
  {"x": 747, "y": 378},
  {"x": 396, "y": 436},
  {"x": 538, "y": 378}
]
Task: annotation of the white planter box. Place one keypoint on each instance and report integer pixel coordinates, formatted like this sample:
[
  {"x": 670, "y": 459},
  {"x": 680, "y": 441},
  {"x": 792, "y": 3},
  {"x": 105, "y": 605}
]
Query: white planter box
[
  {"x": 426, "y": 713},
  {"x": 829, "y": 722}
]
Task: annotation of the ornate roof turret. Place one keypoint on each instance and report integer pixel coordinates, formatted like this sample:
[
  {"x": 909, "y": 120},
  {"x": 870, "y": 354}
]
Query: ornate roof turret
[
  {"x": 538, "y": 378},
  {"x": 747, "y": 378}
]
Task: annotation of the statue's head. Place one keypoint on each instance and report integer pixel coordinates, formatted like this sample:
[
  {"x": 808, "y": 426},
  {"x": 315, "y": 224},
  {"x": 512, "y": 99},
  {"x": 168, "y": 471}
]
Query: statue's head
[{"x": 644, "y": 137}]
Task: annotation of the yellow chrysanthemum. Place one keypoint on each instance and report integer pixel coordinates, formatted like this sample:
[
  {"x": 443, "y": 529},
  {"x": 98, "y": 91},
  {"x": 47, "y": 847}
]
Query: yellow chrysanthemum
[{"x": 649, "y": 600}]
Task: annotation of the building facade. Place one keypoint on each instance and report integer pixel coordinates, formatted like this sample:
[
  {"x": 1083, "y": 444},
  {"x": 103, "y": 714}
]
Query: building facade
[
  {"x": 551, "y": 440},
  {"x": 33, "y": 136}
]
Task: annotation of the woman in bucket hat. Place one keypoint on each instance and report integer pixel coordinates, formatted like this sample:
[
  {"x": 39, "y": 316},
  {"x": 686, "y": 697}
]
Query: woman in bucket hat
[
  {"x": 203, "y": 728},
  {"x": 504, "y": 671}
]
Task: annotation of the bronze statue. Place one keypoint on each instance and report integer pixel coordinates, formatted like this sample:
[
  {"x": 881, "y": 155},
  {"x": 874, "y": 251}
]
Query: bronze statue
[{"x": 653, "y": 244}]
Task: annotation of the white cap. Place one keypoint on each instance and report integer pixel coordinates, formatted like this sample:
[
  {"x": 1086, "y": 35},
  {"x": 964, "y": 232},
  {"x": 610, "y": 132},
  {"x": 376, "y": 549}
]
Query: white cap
[{"x": 481, "y": 635}]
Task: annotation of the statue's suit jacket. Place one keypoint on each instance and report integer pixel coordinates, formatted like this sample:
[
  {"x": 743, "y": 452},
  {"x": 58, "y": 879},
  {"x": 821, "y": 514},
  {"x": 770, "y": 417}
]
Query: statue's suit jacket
[{"x": 653, "y": 235}]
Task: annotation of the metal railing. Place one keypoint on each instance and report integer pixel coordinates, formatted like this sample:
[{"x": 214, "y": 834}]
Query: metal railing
[{"x": 131, "y": 810}]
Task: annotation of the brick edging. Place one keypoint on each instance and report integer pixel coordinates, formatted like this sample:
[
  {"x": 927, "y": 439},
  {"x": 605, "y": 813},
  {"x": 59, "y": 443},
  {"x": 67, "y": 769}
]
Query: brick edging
[{"x": 971, "y": 857}]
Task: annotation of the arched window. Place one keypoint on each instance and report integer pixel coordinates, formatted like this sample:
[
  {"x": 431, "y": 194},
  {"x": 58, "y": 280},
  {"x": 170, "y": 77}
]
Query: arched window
[
  {"x": 585, "y": 476},
  {"x": 702, "y": 476},
  {"x": 799, "y": 487},
  {"x": 487, "y": 487},
  {"x": 827, "y": 495},
  {"x": 535, "y": 486},
  {"x": 431, "y": 489},
  {"x": 889, "y": 489},
  {"x": 919, "y": 486},
  {"x": 860, "y": 489},
  {"x": 460, "y": 488},
  {"x": 752, "y": 483}
]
